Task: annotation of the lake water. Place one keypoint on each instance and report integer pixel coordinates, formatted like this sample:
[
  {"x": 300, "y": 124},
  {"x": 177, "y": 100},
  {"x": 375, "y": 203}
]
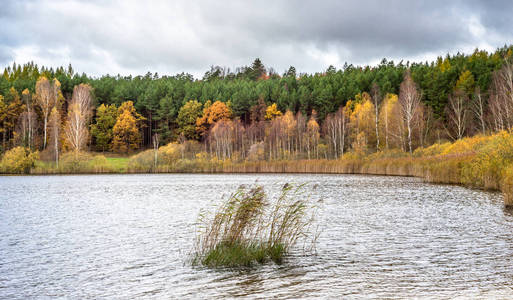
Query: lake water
[{"x": 129, "y": 236}]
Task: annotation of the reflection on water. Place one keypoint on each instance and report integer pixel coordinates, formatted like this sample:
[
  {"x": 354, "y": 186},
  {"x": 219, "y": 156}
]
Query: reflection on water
[{"x": 128, "y": 236}]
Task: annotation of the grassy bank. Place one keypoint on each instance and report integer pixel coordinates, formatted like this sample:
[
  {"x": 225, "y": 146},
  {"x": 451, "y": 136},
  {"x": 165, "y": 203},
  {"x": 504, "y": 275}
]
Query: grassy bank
[
  {"x": 82, "y": 163},
  {"x": 484, "y": 162}
]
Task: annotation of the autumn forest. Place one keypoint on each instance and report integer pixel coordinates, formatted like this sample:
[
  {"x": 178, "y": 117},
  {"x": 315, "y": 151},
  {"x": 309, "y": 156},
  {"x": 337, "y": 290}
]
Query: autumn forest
[{"x": 253, "y": 113}]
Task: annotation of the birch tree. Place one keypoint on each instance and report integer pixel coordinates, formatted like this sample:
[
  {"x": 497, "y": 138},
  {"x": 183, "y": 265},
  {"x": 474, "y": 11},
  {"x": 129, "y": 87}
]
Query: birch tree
[
  {"x": 55, "y": 126},
  {"x": 47, "y": 95},
  {"x": 312, "y": 135},
  {"x": 478, "y": 106},
  {"x": 501, "y": 97},
  {"x": 156, "y": 148},
  {"x": 79, "y": 115},
  {"x": 457, "y": 110},
  {"x": 335, "y": 131},
  {"x": 376, "y": 99},
  {"x": 27, "y": 122},
  {"x": 409, "y": 100}
]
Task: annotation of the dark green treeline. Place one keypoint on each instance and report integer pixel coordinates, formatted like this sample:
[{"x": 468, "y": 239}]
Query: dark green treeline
[{"x": 159, "y": 98}]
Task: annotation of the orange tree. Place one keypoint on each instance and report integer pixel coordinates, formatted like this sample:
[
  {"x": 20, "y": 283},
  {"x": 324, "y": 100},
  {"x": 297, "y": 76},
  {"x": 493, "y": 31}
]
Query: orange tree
[
  {"x": 211, "y": 114},
  {"x": 127, "y": 136}
]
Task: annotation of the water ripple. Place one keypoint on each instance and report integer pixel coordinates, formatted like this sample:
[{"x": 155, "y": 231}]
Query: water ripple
[{"x": 125, "y": 237}]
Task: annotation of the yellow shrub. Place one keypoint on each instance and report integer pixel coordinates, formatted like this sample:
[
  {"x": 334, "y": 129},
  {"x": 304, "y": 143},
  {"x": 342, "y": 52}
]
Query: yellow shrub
[
  {"x": 353, "y": 156},
  {"x": 466, "y": 145},
  {"x": 202, "y": 156},
  {"x": 435, "y": 149},
  {"x": 142, "y": 162},
  {"x": 170, "y": 153},
  {"x": 18, "y": 160}
]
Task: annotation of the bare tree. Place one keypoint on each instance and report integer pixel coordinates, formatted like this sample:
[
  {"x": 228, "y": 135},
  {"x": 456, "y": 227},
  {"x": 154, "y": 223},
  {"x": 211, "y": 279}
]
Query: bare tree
[
  {"x": 312, "y": 135},
  {"x": 26, "y": 128},
  {"x": 426, "y": 123},
  {"x": 28, "y": 120},
  {"x": 79, "y": 115},
  {"x": 290, "y": 123},
  {"x": 335, "y": 131},
  {"x": 46, "y": 98},
  {"x": 457, "y": 112},
  {"x": 376, "y": 98},
  {"x": 478, "y": 108},
  {"x": 55, "y": 126},
  {"x": 341, "y": 126},
  {"x": 495, "y": 116},
  {"x": 409, "y": 100},
  {"x": 221, "y": 134},
  {"x": 388, "y": 117},
  {"x": 277, "y": 132},
  {"x": 301, "y": 128},
  {"x": 156, "y": 148},
  {"x": 501, "y": 97},
  {"x": 330, "y": 132}
]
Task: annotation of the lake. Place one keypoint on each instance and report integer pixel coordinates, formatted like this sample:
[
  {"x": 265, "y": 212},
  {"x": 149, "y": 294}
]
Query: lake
[{"x": 129, "y": 236}]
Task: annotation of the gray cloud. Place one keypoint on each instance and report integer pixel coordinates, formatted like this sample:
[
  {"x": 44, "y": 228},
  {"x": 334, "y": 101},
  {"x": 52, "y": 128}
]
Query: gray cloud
[{"x": 100, "y": 37}]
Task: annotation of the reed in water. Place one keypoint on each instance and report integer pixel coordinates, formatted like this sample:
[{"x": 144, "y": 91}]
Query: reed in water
[{"x": 250, "y": 228}]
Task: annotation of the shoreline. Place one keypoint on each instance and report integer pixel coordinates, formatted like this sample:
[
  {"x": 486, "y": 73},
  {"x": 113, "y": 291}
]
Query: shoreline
[{"x": 436, "y": 170}]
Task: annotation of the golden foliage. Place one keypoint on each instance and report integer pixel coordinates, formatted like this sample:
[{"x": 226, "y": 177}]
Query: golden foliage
[
  {"x": 362, "y": 120},
  {"x": 127, "y": 137},
  {"x": 211, "y": 114},
  {"x": 18, "y": 160},
  {"x": 171, "y": 152},
  {"x": 272, "y": 112}
]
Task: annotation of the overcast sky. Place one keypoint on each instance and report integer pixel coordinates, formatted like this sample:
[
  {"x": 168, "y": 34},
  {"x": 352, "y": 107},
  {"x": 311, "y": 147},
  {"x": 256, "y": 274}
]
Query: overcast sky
[{"x": 168, "y": 37}]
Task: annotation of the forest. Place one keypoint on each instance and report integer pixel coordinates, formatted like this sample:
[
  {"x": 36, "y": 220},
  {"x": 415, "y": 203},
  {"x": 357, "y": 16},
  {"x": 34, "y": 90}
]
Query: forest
[{"x": 253, "y": 113}]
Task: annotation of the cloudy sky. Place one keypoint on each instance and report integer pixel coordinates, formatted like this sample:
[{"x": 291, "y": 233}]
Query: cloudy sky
[{"x": 168, "y": 37}]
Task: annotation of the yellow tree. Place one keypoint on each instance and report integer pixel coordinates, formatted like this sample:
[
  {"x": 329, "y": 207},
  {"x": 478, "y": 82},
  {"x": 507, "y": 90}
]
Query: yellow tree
[
  {"x": 211, "y": 114},
  {"x": 3, "y": 118},
  {"x": 290, "y": 123},
  {"x": 187, "y": 117},
  {"x": 126, "y": 132},
  {"x": 391, "y": 125},
  {"x": 11, "y": 108},
  {"x": 465, "y": 82},
  {"x": 272, "y": 112},
  {"x": 312, "y": 135},
  {"x": 15, "y": 107},
  {"x": 362, "y": 121}
]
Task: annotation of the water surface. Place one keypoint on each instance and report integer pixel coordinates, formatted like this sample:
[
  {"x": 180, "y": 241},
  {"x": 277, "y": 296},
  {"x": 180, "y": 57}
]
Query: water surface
[{"x": 128, "y": 236}]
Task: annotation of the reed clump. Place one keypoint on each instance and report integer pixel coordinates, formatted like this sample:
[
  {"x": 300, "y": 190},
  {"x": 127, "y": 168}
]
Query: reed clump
[{"x": 250, "y": 228}]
